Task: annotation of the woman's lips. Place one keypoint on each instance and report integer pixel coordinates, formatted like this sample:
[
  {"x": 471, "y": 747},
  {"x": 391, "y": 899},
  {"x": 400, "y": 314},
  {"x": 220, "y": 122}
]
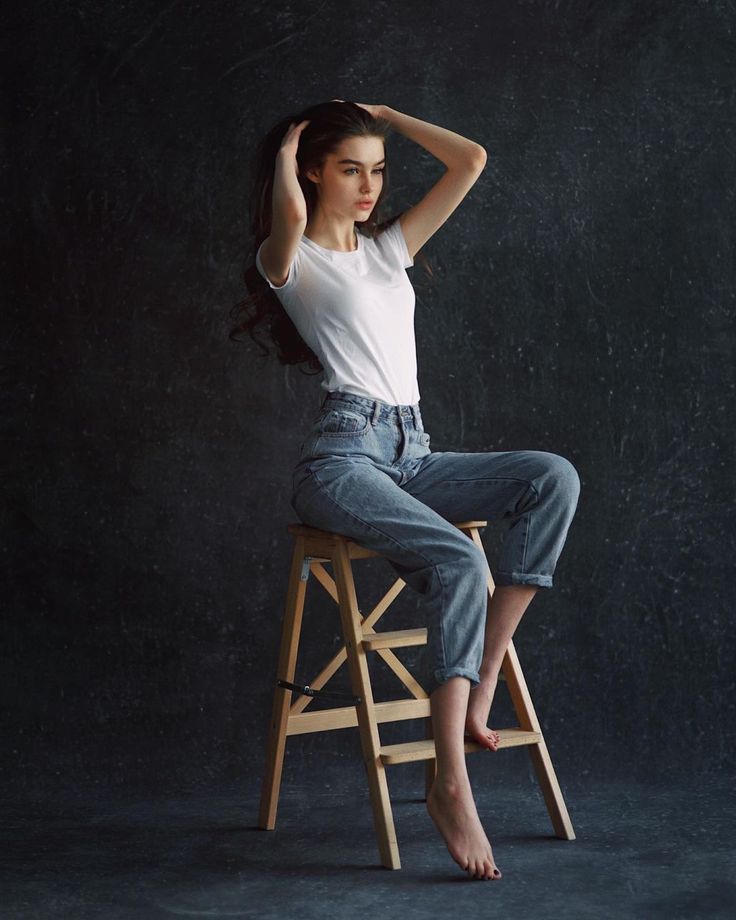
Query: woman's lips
[{"x": 365, "y": 204}]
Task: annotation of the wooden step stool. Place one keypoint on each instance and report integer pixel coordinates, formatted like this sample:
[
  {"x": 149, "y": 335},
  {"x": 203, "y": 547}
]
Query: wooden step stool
[{"x": 312, "y": 549}]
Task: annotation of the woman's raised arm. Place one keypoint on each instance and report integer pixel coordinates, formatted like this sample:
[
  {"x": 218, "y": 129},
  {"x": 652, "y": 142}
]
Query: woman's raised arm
[
  {"x": 464, "y": 159},
  {"x": 288, "y": 210}
]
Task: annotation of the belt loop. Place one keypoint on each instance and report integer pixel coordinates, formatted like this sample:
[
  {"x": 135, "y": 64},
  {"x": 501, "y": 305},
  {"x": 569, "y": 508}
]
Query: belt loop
[
  {"x": 376, "y": 413},
  {"x": 415, "y": 414}
]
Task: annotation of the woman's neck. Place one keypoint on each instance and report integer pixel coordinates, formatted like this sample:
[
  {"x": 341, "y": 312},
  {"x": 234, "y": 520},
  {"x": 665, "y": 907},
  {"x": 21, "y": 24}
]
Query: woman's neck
[{"x": 341, "y": 237}]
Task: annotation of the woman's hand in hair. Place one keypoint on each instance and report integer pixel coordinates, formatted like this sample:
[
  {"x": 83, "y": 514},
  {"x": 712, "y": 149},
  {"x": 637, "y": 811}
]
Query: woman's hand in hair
[
  {"x": 374, "y": 110},
  {"x": 290, "y": 142}
]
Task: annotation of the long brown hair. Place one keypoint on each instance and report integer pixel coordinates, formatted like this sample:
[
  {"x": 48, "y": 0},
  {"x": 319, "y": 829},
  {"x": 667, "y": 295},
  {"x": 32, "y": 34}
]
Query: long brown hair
[{"x": 329, "y": 124}]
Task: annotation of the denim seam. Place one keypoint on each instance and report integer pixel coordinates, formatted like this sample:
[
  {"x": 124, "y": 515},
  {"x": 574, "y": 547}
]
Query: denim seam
[
  {"x": 527, "y": 525},
  {"x": 536, "y": 574},
  {"x": 441, "y": 622},
  {"x": 495, "y": 479},
  {"x": 511, "y": 575},
  {"x": 526, "y": 532}
]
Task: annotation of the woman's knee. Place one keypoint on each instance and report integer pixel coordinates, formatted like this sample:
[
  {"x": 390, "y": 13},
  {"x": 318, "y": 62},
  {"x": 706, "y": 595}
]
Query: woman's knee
[
  {"x": 468, "y": 564},
  {"x": 563, "y": 477}
]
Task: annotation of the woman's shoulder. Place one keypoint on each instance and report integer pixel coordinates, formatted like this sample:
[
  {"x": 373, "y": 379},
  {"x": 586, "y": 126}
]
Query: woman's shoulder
[{"x": 389, "y": 237}]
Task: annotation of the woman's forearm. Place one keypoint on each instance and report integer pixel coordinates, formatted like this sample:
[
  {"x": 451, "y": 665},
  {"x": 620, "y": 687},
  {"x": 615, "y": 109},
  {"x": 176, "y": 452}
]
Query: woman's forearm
[
  {"x": 288, "y": 199},
  {"x": 451, "y": 148}
]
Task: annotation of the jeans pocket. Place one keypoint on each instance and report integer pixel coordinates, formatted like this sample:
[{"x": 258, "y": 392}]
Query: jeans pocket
[{"x": 343, "y": 423}]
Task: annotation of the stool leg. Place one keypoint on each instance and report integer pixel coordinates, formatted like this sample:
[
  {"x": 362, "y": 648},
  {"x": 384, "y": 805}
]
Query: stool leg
[
  {"x": 539, "y": 754},
  {"x": 276, "y": 748},
  {"x": 361, "y": 686},
  {"x": 527, "y": 716}
]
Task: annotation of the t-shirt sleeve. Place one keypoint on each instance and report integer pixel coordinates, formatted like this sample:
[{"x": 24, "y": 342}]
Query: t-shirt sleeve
[
  {"x": 291, "y": 278},
  {"x": 396, "y": 240}
]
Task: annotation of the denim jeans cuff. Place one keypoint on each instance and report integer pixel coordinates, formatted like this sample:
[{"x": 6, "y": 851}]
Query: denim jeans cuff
[
  {"x": 441, "y": 675},
  {"x": 515, "y": 578}
]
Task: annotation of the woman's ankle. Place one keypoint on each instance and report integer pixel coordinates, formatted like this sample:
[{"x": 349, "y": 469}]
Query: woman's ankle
[{"x": 453, "y": 785}]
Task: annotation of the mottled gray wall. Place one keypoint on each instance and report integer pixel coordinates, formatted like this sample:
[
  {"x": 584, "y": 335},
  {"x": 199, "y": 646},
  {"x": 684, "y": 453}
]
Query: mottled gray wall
[{"x": 583, "y": 305}]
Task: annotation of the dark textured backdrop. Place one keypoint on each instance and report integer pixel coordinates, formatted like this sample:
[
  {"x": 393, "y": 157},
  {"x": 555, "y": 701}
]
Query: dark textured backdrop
[{"x": 583, "y": 305}]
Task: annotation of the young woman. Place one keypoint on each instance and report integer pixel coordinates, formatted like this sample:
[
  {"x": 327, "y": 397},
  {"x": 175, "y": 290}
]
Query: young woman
[{"x": 344, "y": 302}]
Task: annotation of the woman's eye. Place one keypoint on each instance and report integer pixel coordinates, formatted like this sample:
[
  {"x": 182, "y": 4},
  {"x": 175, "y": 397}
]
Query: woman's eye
[{"x": 352, "y": 169}]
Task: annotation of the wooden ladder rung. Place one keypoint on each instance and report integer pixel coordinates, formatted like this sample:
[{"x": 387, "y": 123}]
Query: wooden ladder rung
[
  {"x": 424, "y": 749},
  {"x": 398, "y": 638},
  {"x": 322, "y": 720},
  {"x": 401, "y": 638}
]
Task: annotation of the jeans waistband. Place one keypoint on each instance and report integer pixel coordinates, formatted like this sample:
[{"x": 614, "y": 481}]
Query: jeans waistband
[{"x": 376, "y": 407}]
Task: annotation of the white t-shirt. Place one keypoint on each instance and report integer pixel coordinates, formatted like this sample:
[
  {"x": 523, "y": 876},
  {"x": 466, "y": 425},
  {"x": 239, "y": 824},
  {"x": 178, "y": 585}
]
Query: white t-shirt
[{"x": 355, "y": 310}]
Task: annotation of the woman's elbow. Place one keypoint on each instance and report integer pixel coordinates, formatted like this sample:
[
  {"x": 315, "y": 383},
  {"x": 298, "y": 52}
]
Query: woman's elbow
[{"x": 480, "y": 156}]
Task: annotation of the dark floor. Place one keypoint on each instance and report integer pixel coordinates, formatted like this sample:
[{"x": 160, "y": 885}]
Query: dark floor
[{"x": 641, "y": 851}]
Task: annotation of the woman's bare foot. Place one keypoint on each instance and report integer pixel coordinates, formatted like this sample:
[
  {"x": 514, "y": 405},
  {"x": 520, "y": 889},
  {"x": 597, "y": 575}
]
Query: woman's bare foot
[
  {"x": 452, "y": 808},
  {"x": 479, "y": 707}
]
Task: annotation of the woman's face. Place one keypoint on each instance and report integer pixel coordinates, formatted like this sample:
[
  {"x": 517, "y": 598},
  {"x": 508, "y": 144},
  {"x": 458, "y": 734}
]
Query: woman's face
[{"x": 342, "y": 185}]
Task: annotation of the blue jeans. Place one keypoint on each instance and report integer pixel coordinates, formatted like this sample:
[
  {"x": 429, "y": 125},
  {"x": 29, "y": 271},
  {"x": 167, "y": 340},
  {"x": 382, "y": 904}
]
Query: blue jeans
[{"x": 366, "y": 471}]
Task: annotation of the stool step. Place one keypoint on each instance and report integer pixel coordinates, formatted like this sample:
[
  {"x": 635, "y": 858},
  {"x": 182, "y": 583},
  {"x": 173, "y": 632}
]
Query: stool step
[
  {"x": 401, "y": 638},
  {"x": 397, "y": 638},
  {"x": 424, "y": 750},
  {"x": 323, "y": 720}
]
